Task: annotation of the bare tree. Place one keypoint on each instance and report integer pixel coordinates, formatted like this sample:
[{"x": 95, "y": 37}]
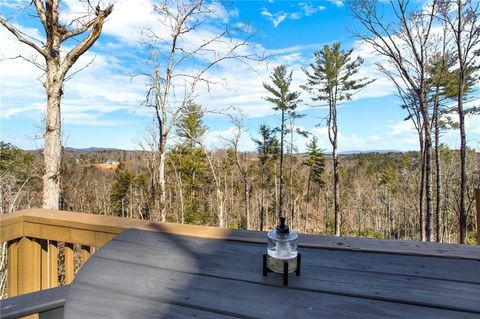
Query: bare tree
[
  {"x": 172, "y": 85},
  {"x": 462, "y": 18},
  {"x": 405, "y": 44},
  {"x": 237, "y": 122},
  {"x": 85, "y": 31}
]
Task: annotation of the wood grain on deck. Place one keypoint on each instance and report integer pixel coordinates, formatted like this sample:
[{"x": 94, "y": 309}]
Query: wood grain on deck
[{"x": 145, "y": 274}]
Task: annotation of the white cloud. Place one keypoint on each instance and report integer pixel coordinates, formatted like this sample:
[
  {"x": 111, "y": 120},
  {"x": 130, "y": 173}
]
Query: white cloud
[
  {"x": 276, "y": 18},
  {"x": 295, "y": 15},
  {"x": 306, "y": 9},
  {"x": 400, "y": 128},
  {"x": 310, "y": 9},
  {"x": 338, "y": 3},
  {"x": 382, "y": 86},
  {"x": 219, "y": 139}
]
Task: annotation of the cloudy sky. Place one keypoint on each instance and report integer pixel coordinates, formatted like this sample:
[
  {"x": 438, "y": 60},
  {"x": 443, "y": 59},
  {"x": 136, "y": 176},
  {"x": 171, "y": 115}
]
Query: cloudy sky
[{"x": 103, "y": 104}]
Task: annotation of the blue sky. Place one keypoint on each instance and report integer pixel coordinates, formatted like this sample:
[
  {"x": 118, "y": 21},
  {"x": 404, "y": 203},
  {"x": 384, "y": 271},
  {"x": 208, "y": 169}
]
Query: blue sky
[{"x": 102, "y": 106}]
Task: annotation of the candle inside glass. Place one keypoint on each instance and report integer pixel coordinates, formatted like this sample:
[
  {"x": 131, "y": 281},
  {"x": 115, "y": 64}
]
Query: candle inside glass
[{"x": 282, "y": 248}]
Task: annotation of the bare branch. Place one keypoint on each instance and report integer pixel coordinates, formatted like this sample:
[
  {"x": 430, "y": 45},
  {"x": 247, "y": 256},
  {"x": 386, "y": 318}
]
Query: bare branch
[
  {"x": 84, "y": 45},
  {"x": 20, "y": 36}
]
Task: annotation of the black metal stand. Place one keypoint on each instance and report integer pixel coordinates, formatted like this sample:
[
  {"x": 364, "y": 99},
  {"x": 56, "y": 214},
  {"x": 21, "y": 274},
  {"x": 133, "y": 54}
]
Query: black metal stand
[{"x": 266, "y": 270}]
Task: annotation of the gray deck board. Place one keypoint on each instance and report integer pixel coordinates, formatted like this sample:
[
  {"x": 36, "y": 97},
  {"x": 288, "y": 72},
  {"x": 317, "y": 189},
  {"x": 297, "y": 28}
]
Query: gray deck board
[
  {"x": 422, "y": 266},
  {"x": 402, "y": 247},
  {"x": 144, "y": 274}
]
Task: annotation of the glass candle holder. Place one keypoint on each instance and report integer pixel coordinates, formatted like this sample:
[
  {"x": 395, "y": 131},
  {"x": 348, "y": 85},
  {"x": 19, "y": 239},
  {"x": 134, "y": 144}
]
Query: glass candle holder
[{"x": 282, "y": 248}]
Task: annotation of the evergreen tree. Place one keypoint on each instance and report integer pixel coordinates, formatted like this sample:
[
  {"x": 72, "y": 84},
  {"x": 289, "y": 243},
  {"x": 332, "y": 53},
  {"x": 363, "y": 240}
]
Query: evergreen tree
[
  {"x": 190, "y": 160},
  {"x": 268, "y": 151},
  {"x": 190, "y": 127},
  {"x": 331, "y": 79},
  {"x": 119, "y": 195},
  {"x": 284, "y": 101},
  {"x": 267, "y": 145},
  {"x": 316, "y": 169},
  {"x": 316, "y": 164}
]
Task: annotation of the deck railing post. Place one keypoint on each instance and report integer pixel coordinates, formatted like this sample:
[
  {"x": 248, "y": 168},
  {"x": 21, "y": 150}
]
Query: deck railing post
[
  {"x": 12, "y": 265},
  {"x": 29, "y": 265},
  {"x": 44, "y": 263},
  {"x": 85, "y": 253},
  {"x": 52, "y": 263},
  {"x": 69, "y": 263}
]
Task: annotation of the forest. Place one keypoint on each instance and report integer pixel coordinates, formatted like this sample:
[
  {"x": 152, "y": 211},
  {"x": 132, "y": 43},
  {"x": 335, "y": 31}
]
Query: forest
[{"x": 378, "y": 191}]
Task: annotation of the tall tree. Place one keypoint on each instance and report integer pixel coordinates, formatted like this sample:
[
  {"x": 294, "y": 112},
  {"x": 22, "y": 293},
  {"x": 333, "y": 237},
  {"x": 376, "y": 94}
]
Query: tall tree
[
  {"x": 406, "y": 43},
  {"x": 171, "y": 86},
  {"x": 284, "y": 101},
  {"x": 332, "y": 79},
  {"x": 439, "y": 78},
  {"x": 238, "y": 126},
  {"x": 196, "y": 135},
  {"x": 190, "y": 160},
  {"x": 268, "y": 150},
  {"x": 292, "y": 115},
  {"x": 82, "y": 32},
  {"x": 463, "y": 19}
]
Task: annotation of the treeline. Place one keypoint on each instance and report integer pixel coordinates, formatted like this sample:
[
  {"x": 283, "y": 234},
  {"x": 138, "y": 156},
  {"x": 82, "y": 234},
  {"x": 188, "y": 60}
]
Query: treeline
[{"x": 377, "y": 192}]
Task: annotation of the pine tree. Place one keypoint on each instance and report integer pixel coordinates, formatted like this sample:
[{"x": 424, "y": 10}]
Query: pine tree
[
  {"x": 284, "y": 101},
  {"x": 268, "y": 151},
  {"x": 316, "y": 169},
  {"x": 189, "y": 160},
  {"x": 331, "y": 79},
  {"x": 119, "y": 195},
  {"x": 316, "y": 164},
  {"x": 190, "y": 127}
]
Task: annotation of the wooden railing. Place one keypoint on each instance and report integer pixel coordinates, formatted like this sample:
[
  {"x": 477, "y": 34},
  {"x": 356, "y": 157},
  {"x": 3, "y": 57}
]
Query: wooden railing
[{"x": 33, "y": 238}]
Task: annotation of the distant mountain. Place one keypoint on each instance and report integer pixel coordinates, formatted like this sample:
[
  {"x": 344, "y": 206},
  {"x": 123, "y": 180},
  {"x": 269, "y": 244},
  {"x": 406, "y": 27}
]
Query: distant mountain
[
  {"x": 108, "y": 149},
  {"x": 90, "y": 149},
  {"x": 368, "y": 152}
]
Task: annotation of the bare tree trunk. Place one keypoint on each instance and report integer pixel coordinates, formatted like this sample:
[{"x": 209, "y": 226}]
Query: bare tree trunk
[
  {"x": 282, "y": 182},
  {"x": 262, "y": 205},
  {"x": 325, "y": 216},
  {"x": 438, "y": 186},
  {"x": 428, "y": 181},
  {"x": 336, "y": 190},
  {"x": 463, "y": 169},
  {"x": 422, "y": 189},
  {"x": 52, "y": 151},
  {"x": 180, "y": 192},
  {"x": 219, "y": 193},
  {"x": 290, "y": 176},
  {"x": 161, "y": 182},
  {"x": 336, "y": 177}
]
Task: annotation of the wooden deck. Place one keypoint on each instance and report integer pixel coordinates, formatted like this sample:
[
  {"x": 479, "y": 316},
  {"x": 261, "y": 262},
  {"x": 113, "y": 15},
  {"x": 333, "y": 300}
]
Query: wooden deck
[{"x": 157, "y": 273}]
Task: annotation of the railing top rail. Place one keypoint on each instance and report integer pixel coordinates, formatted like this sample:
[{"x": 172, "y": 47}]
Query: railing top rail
[{"x": 95, "y": 230}]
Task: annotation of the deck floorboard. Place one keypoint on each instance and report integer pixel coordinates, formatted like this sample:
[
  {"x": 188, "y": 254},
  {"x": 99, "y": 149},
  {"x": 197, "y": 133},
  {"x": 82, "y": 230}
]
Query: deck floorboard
[{"x": 145, "y": 274}]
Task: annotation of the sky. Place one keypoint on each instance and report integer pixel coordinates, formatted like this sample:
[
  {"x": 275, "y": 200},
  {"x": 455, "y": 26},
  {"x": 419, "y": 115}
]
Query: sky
[{"x": 103, "y": 104}]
